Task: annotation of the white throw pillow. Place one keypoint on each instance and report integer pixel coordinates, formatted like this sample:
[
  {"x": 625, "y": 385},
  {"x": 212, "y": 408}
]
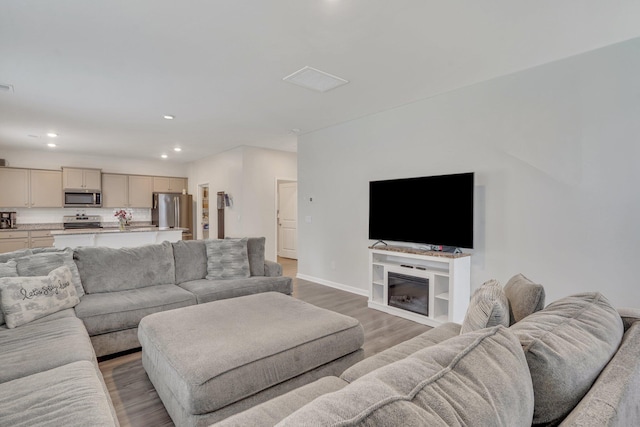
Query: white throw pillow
[{"x": 24, "y": 299}]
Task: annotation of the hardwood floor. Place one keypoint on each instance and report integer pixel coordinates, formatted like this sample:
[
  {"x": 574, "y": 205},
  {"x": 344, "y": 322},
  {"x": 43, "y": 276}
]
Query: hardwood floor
[{"x": 138, "y": 405}]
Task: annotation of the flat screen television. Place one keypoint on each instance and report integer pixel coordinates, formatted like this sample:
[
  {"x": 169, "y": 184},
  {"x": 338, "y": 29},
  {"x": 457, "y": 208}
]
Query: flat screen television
[{"x": 433, "y": 210}]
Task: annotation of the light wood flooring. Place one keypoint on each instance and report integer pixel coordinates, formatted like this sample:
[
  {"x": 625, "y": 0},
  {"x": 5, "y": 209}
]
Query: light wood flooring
[{"x": 138, "y": 405}]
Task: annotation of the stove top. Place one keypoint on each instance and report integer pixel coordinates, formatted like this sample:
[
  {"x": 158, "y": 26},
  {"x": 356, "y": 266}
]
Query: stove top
[{"x": 81, "y": 221}]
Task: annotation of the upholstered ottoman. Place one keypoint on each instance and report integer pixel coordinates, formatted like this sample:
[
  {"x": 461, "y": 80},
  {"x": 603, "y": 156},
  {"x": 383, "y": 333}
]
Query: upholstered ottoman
[{"x": 212, "y": 360}]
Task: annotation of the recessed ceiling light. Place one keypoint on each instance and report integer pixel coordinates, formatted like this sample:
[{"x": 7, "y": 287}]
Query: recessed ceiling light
[
  {"x": 164, "y": 156},
  {"x": 6, "y": 87},
  {"x": 52, "y": 135},
  {"x": 169, "y": 117},
  {"x": 177, "y": 149},
  {"x": 51, "y": 144}
]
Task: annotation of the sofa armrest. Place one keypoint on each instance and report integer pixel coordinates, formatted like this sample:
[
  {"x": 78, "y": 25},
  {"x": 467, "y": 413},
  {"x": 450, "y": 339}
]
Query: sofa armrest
[
  {"x": 629, "y": 316},
  {"x": 272, "y": 269}
]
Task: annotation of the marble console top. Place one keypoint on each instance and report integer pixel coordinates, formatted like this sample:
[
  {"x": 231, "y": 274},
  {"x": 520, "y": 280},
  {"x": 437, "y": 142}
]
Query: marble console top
[{"x": 409, "y": 250}]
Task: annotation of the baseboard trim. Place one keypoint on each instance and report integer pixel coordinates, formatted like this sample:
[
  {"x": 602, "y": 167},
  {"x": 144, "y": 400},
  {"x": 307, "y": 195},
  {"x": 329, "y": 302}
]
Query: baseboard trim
[{"x": 335, "y": 285}]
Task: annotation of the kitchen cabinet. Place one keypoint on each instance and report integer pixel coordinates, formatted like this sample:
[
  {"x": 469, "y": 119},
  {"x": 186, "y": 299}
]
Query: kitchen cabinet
[
  {"x": 15, "y": 188},
  {"x": 81, "y": 179},
  {"x": 30, "y": 188},
  {"x": 165, "y": 184},
  {"x": 13, "y": 240},
  {"x": 40, "y": 239},
  {"x": 46, "y": 189},
  {"x": 126, "y": 191}
]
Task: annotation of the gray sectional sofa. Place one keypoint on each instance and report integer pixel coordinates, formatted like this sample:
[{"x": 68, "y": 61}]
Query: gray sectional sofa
[
  {"x": 49, "y": 371},
  {"x": 572, "y": 363}
]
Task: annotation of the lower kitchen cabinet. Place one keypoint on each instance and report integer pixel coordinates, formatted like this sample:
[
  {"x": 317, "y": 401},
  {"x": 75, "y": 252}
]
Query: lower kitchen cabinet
[{"x": 13, "y": 240}]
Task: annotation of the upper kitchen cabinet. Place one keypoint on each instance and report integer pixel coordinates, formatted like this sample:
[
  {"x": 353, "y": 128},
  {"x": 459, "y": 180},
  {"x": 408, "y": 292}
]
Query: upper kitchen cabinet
[
  {"x": 81, "y": 179},
  {"x": 46, "y": 189},
  {"x": 126, "y": 191},
  {"x": 165, "y": 184},
  {"x": 15, "y": 188},
  {"x": 31, "y": 188}
]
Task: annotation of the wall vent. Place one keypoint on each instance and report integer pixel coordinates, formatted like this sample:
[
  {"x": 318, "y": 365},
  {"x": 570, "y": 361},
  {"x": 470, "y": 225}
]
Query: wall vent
[{"x": 315, "y": 79}]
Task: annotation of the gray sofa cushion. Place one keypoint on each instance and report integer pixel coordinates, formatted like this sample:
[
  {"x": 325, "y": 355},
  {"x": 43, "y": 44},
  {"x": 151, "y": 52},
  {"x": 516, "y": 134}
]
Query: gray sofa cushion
[
  {"x": 227, "y": 259},
  {"x": 24, "y": 299},
  {"x": 488, "y": 307},
  {"x": 270, "y": 413},
  {"x": 106, "y": 269},
  {"x": 613, "y": 398},
  {"x": 43, "y": 263},
  {"x": 567, "y": 345},
  {"x": 214, "y": 290},
  {"x": 255, "y": 252},
  {"x": 191, "y": 260},
  {"x": 15, "y": 254},
  {"x": 70, "y": 395},
  {"x": 525, "y": 297},
  {"x": 115, "y": 311},
  {"x": 7, "y": 269},
  {"x": 400, "y": 351},
  {"x": 43, "y": 345},
  {"x": 479, "y": 378}
]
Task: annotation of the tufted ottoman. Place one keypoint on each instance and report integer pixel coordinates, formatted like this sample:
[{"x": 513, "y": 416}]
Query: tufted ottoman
[{"x": 212, "y": 360}]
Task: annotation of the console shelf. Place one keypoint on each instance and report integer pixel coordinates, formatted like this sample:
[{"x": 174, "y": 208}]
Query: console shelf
[{"x": 448, "y": 277}]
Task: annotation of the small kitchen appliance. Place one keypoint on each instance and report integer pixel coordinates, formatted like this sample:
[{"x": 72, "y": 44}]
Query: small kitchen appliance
[{"x": 7, "y": 220}]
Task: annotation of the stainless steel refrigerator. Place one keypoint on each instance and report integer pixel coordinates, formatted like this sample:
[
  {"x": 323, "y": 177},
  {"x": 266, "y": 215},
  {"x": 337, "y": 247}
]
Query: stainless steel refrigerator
[{"x": 172, "y": 210}]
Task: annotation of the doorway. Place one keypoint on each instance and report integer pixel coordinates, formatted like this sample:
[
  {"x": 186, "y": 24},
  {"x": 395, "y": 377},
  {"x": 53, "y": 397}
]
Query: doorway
[{"x": 287, "y": 218}]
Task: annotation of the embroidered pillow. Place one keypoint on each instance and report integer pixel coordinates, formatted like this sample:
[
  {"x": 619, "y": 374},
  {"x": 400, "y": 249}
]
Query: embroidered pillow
[
  {"x": 24, "y": 299},
  {"x": 227, "y": 259},
  {"x": 488, "y": 307},
  {"x": 7, "y": 269}
]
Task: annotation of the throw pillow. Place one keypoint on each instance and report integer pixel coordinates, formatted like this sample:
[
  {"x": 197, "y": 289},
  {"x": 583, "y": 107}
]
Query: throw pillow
[
  {"x": 41, "y": 264},
  {"x": 7, "y": 269},
  {"x": 190, "y": 259},
  {"x": 488, "y": 307},
  {"x": 255, "y": 250},
  {"x": 525, "y": 297},
  {"x": 476, "y": 379},
  {"x": 24, "y": 299},
  {"x": 227, "y": 259},
  {"x": 567, "y": 345}
]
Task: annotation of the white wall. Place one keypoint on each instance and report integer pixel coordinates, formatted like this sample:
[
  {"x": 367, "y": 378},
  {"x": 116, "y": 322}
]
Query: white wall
[
  {"x": 555, "y": 151},
  {"x": 51, "y": 159},
  {"x": 248, "y": 175}
]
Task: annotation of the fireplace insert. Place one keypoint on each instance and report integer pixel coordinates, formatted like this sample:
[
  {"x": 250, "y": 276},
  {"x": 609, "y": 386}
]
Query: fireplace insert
[{"x": 409, "y": 293}]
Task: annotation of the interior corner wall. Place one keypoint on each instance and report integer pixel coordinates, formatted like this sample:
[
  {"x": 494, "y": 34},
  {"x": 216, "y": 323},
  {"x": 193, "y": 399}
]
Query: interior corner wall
[
  {"x": 554, "y": 150},
  {"x": 248, "y": 175}
]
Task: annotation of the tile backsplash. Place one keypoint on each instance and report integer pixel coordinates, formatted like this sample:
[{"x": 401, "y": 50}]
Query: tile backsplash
[{"x": 54, "y": 215}]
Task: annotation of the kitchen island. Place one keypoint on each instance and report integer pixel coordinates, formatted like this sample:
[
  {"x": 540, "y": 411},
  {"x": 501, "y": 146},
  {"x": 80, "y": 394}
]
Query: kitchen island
[{"x": 114, "y": 237}]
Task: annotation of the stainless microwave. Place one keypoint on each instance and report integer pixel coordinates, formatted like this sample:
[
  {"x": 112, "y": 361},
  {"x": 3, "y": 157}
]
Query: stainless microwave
[{"x": 79, "y": 199}]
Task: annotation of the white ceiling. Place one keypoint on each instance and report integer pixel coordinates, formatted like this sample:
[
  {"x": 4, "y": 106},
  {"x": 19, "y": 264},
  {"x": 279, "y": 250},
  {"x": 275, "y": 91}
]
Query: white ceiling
[{"x": 103, "y": 73}]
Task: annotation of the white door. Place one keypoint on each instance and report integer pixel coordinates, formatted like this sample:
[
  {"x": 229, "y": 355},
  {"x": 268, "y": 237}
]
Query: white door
[{"x": 288, "y": 220}]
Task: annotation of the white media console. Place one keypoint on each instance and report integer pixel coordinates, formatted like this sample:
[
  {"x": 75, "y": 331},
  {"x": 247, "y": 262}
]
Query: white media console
[{"x": 445, "y": 280}]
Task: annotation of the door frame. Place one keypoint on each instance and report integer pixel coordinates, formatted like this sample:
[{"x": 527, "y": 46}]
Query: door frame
[{"x": 279, "y": 180}]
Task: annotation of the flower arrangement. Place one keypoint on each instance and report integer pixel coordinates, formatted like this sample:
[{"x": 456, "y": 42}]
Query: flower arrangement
[{"x": 123, "y": 218}]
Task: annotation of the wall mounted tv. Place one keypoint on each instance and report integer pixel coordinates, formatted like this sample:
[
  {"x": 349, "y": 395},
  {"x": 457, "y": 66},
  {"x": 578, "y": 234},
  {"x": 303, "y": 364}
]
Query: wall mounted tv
[{"x": 434, "y": 210}]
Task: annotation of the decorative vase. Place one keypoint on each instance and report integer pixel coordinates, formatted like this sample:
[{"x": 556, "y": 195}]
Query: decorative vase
[{"x": 121, "y": 225}]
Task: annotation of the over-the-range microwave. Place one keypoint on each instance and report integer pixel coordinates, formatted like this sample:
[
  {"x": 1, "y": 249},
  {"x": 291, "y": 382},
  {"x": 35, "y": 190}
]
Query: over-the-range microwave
[{"x": 82, "y": 199}]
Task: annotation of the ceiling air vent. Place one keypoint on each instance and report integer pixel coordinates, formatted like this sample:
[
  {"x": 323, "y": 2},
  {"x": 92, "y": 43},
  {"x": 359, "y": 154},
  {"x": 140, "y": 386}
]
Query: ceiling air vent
[
  {"x": 315, "y": 79},
  {"x": 6, "y": 88}
]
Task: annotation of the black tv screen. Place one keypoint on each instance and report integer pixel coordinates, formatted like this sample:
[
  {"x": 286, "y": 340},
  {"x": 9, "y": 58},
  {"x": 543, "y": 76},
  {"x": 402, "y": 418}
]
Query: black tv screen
[{"x": 434, "y": 210}]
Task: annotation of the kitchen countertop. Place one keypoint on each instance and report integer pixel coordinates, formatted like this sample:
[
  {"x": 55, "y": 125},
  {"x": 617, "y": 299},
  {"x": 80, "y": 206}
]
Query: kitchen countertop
[{"x": 112, "y": 230}]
